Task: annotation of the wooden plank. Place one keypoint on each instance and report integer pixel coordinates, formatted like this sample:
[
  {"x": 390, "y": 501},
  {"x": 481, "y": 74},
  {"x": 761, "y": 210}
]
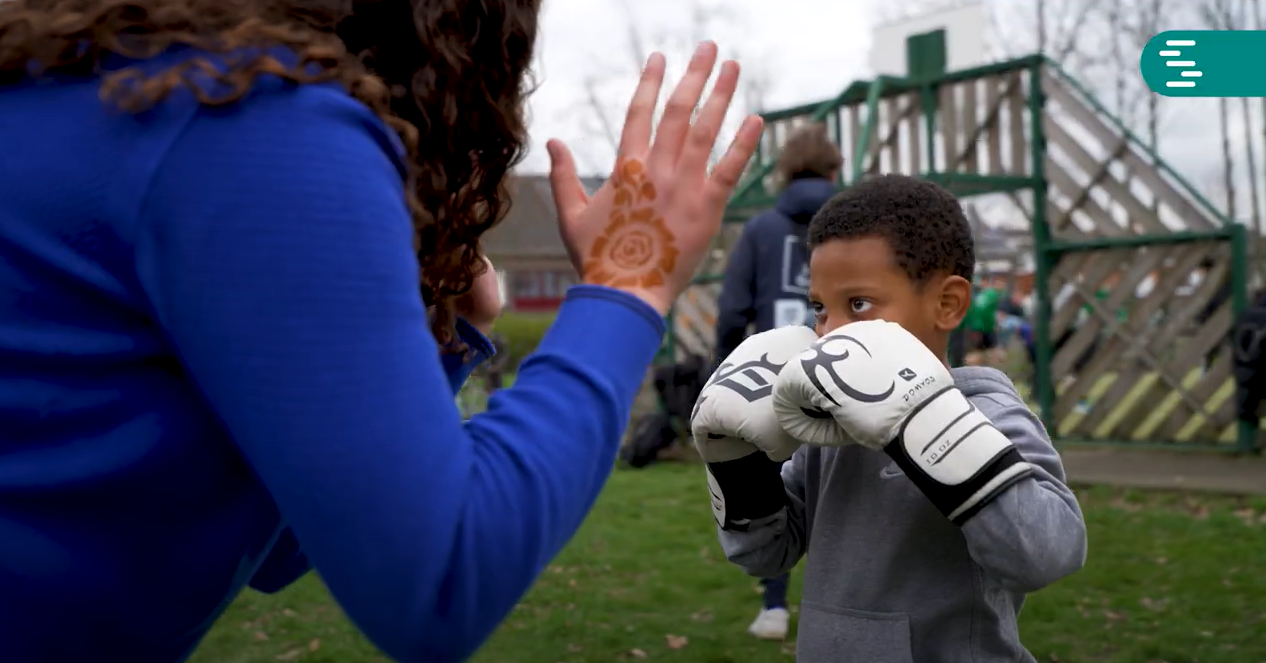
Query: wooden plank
[
  {"x": 855, "y": 132},
  {"x": 1182, "y": 206},
  {"x": 974, "y": 130},
  {"x": 703, "y": 299},
  {"x": 948, "y": 107},
  {"x": 993, "y": 121},
  {"x": 1138, "y": 212},
  {"x": 1213, "y": 335},
  {"x": 1053, "y": 211},
  {"x": 971, "y": 126},
  {"x": 1107, "y": 356},
  {"x": 890, "y": 135},
  {"x": 1083, "y": 195},
  {"x": 1209, "y": 336},
  {"x": 1066, "y": 271},
  {"x": 1095, "y": 266},
  {"x": 1215, "y": 418},
  {"x": 771, "y": 149},
  {"x": 1064, "y": 183},
  {"x": 876, "y": 130},
  {"x": 1015, "y": 123},
  {"x": 722, "y": 245},
  {"x": 1101, "y": 326},
  {"x": 695, "y": 321},
  {"x": 1224, "y": 415},
  {"x": 1177, "y": 320},
  {"x": 687, "y": 336},
  {"x": 1138, "y": 327},
  {"x": 914, "y": 130}
]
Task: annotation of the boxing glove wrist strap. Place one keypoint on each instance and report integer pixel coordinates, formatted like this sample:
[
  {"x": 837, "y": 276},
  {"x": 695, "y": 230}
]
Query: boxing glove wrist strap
[
  {"x": 955, "y": 455},
  {"x": 745, "y": 489}
]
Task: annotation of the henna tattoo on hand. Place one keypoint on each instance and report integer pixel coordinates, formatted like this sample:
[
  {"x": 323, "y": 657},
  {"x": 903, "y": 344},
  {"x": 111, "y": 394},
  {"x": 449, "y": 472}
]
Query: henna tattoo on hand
[{"x": 636, "y": 250}]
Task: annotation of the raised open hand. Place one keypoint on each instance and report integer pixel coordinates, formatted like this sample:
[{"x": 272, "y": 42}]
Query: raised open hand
[{"x": 646, "y": 230}]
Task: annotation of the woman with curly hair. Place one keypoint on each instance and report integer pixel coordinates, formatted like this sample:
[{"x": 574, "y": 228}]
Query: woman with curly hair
[{"x": 240, "y": 279}]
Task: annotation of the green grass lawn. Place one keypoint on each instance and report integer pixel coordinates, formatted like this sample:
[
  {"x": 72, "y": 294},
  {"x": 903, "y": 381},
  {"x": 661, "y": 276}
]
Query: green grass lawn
[{"x": 1171, "y": 578}]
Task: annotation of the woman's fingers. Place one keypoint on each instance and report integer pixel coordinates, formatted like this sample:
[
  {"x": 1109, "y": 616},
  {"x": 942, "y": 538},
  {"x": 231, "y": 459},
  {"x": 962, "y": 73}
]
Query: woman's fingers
[
  {"x": 675, "y": 123},
  {"x": 569, "y": 194},
  {"x": 570, "y": 199},
  {"x": 636, "y": 136},
  {"x": 726, "y": 174},
  {"x": 703, "y": 135}
]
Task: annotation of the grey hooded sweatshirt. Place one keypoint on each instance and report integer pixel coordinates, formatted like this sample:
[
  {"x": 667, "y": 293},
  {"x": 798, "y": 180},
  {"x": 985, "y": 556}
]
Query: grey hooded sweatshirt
[{"x": 891, "y": 580}]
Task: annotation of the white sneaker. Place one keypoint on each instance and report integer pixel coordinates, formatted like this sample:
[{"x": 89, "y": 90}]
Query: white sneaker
[{"x": 771, "y": 624}]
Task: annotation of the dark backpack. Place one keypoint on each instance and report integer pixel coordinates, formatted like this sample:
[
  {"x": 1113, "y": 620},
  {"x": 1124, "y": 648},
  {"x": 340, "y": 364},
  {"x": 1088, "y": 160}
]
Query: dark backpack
[{"x": 678, "y": 388}]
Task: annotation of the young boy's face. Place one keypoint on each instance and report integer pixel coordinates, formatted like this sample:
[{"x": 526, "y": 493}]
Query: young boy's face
[{"x": 859, "y": 279}]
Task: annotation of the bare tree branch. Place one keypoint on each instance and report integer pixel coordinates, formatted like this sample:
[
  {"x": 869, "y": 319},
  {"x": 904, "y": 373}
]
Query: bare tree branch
[
  {"x": 1066, "y": 42},
  {"x": 705, "y": 19},
  {"x": 599, "y": 110},
  {"x": 637, "y": 45},
  {"x": 1217, "y": 15}
]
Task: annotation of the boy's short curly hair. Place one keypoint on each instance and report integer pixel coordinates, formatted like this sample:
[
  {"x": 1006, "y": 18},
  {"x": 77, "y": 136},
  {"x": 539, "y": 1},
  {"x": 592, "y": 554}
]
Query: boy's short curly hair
[{"x": 923, "y": 224}]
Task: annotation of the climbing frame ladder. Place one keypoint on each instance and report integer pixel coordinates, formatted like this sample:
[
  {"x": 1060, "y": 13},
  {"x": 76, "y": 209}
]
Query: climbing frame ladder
[{"x": 1108, "y": 217}]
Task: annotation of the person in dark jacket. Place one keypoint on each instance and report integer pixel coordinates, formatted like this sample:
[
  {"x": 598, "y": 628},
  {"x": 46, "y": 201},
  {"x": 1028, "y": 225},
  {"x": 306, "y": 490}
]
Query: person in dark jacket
[{"x": 767, "y": 285}]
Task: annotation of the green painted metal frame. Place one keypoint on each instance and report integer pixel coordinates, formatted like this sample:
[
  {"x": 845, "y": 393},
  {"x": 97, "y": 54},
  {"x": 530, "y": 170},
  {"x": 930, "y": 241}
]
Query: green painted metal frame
[
  {"x": 1043, "y": 382},
  {"x": 1233, "y": 233},
  {"x": 873, "y": 95},
  {"x": 751, "y": 195},
  {"x": 1049, "y": 251}
]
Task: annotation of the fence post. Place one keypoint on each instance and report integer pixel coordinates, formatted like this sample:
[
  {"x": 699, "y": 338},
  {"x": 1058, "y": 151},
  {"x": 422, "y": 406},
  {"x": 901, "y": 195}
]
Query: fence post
[{"x": 1042, "y": 380}]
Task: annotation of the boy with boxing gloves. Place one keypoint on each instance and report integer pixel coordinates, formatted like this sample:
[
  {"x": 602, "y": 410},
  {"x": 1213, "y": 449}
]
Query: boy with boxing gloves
[{"x": 928, "y": 501}]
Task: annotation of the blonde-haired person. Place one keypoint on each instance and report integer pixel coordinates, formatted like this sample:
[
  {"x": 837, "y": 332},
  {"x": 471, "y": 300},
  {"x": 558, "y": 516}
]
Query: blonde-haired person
[{"x": 767, "y": 284}]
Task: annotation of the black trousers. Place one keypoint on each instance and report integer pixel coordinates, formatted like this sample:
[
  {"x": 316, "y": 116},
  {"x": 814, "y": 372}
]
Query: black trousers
[{"x": 1248, "y": 342}]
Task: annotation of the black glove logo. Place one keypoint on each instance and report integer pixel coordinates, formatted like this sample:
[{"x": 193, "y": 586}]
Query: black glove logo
[
  {"x": 754, "y": 372},
  {"x": 822, "y": 359},
  {"x": 907, "y": 374}
]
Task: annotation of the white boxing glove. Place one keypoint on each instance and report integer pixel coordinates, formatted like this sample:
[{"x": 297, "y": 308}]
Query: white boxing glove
[
  {"x": 888, "y": 391},
  {"x": 736, "y": 432}
]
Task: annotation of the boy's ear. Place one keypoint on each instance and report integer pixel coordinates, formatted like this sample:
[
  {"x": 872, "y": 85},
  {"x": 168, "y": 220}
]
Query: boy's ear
[{"x": 955, "y": 298}]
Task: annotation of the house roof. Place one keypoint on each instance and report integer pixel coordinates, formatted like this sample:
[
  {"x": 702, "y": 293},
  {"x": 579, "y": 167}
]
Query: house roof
[{"x": 530, "y": 229}]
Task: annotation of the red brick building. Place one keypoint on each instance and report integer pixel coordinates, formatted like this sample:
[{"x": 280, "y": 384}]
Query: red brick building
[{"x": 526, "y": 247}]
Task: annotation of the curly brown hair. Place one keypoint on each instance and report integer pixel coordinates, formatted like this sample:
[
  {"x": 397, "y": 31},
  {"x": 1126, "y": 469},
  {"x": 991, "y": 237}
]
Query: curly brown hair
[{"x": 449, "y": 76}]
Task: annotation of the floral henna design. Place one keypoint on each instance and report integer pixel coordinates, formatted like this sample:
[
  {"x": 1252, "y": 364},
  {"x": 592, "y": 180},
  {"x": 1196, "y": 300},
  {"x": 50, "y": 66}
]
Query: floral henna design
[{"x": 636, "y": 250}]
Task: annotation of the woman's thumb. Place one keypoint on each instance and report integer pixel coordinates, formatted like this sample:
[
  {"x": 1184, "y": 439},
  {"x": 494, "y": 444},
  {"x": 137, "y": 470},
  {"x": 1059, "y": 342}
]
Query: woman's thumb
[{"x": 569, "y": 194}]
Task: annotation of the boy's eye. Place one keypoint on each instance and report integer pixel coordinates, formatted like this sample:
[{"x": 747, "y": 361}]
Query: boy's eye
[
  {"x": 859, "y": 305},
  {"x": 816, "y": 307}
]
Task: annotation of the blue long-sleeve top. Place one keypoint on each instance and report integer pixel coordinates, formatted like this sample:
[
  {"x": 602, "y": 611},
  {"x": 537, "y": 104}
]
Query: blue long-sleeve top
[{"x": 215, "y": 369}]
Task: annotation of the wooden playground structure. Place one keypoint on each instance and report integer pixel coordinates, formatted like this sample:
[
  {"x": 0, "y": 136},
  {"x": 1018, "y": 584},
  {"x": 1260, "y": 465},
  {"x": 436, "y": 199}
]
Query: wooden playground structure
[{"x": 1105, "y": 213}]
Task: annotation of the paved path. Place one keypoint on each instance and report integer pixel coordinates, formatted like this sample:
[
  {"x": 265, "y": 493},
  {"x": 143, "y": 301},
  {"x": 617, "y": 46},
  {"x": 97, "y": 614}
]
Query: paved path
[{"x": 1190, "y": 470}]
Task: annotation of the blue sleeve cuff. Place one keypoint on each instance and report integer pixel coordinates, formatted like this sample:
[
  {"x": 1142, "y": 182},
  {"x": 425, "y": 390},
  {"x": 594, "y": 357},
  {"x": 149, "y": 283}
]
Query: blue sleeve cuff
[
  {"x": 459, "y": 365},
  {"x": 607, "y": 329},
  {"x": 634, "y": 304}
]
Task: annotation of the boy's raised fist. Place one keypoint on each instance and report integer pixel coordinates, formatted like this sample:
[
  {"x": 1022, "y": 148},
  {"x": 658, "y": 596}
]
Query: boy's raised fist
[
  {"x": 886, "y": 390},
  {"x": 865, "y": 378},
  {"x": 736, "y": 431}
]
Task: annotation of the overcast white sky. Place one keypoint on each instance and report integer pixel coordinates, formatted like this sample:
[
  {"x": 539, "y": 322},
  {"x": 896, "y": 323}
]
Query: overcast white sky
[
  {"x": 801, "y": 50},
  {"x": 807, "y": 49}
]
